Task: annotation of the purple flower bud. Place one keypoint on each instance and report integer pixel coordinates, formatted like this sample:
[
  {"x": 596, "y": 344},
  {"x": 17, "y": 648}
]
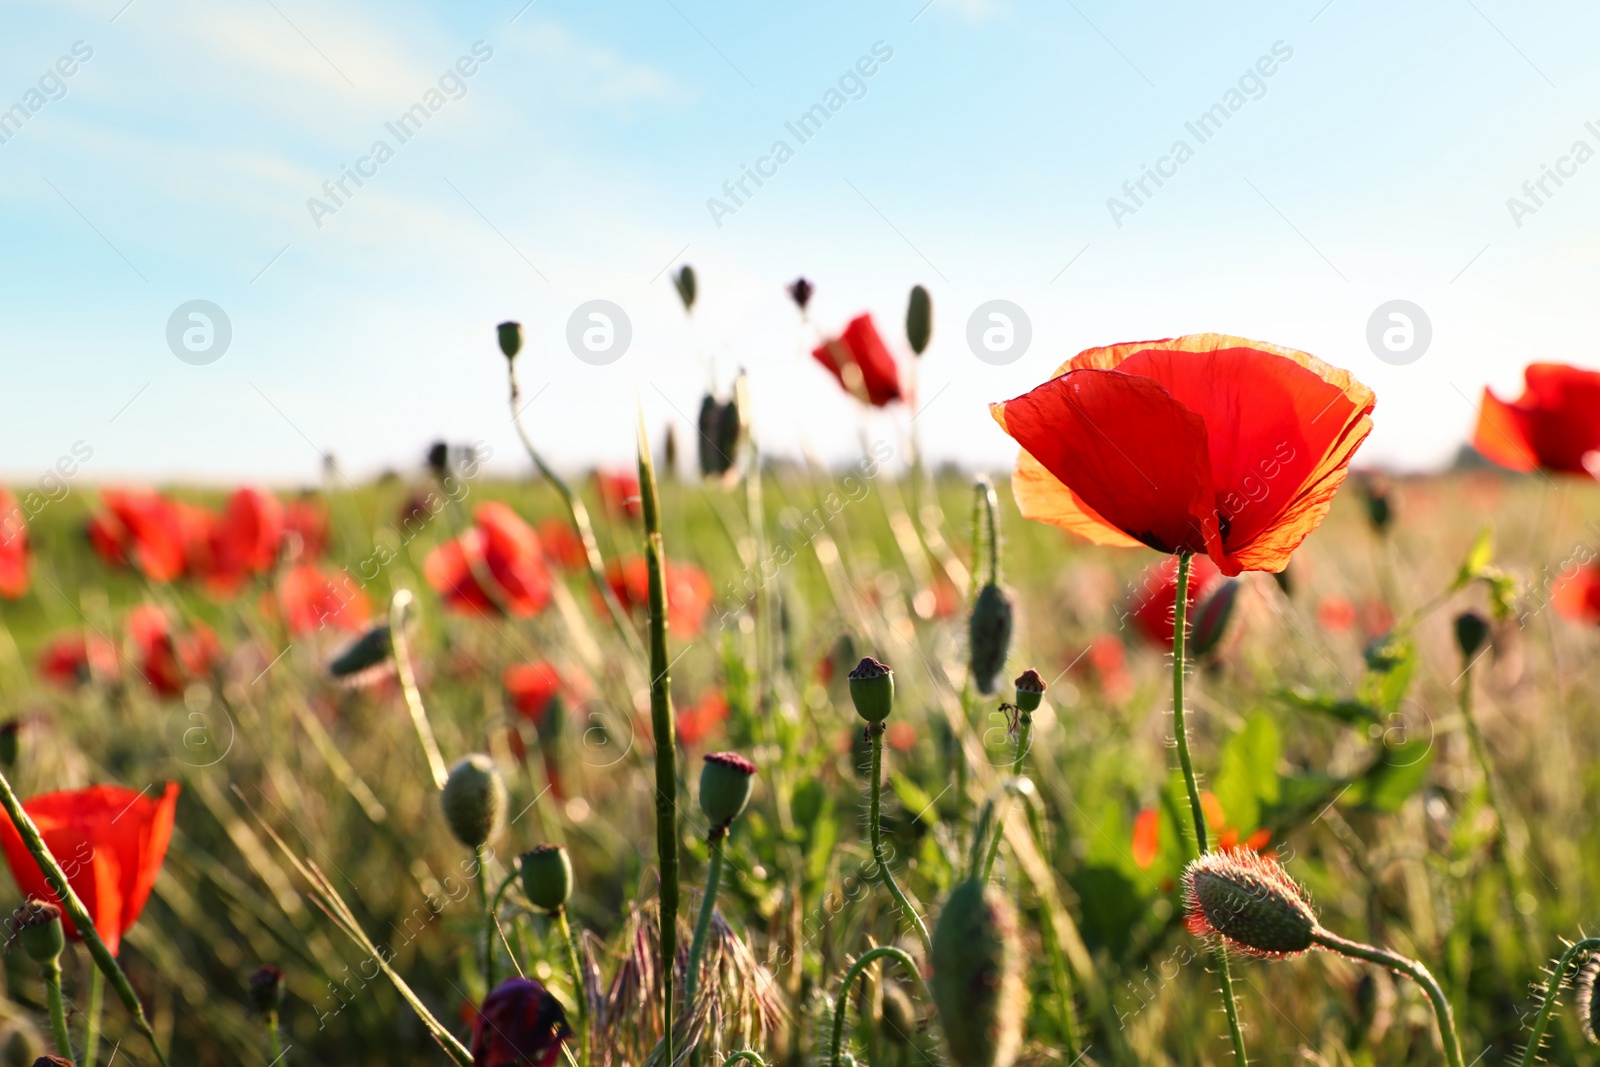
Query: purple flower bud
[{"x": 519, "y": 1025}]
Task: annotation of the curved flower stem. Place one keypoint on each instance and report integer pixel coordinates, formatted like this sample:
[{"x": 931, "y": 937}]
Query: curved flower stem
[
  {"x": 580, "y": 991},
  {"x": 1180, "y": 729},
  {"x": 703, "y": 925},
  {"x": 579, "y": 517},
  {"x": 886, "y": 875},
  {"x": 842, "y": 1002},
  {"x": 1418, "y": 974},
  {"x": 408, "y": 685},
  {"x": 745, "y": 1055},
  {"x": 58, "y": 1014},
  {"x": 73, "y": 906},
  {"x": 1530, "y": 1055}
]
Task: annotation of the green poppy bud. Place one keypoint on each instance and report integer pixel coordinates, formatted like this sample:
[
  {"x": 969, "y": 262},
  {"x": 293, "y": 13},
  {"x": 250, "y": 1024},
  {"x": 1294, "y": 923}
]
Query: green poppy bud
[
  {"x": 547, "y": 877},
  {"x": 510, "y": 338},
  {"x": 684, "y": 282},
  {"x": 38, "y": 925},
  {"x": 990, "y": 636},
  {"x": 1250, "y": 902},
  {"x": 726, "y": 781},
  {"x": 1030, "y": 690},
  {"x": 1472, "y": 630},
  {"x": 977, "y": 976},
  {"x": 919, "y": 319},
  {"x": 872, "y": 690},
  {"x": 366, "y": 653},
  {"x": 1211, "y": 617},
  {"x": 474, "y": 800},
  {"x": 266, "y": 989},
  {"x": 8, "y": 742}
]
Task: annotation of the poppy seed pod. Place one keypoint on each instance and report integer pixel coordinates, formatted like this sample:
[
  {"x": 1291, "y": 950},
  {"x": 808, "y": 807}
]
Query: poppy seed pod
[
  {"x": 474, "y": 800},
  {"x": 977, "y": 976},
  {"x": 1030, "y": 690},
  {"x": 547, "y": 877},
  {"x": 38, "y": 925},
  {"x": 1472, "y": 630},
  {"x": 1212, "y": 615},
  {"x": 872, "y": 690},
  {"x": 1250, "y": 902},
  {"x": 919, "y": 319},
  {"x": 266, "y": 989},
  {"x": 510, "y": 338},
  {"x": 989, "y": 631},
  {"x": 726, "y": 781}
]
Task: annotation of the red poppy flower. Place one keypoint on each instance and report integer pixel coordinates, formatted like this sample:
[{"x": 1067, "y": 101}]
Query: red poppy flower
[
  {"x": 501, "y": 550},
  {"x": 142, "y": 528},
  {"x": 1337, "y": 614},
  {"x": 307, "y": 518},
  {"x": 1203, "y": 444},
  {"x": 619, "y": 493},
  {"x": 1554, "y": 425},
  {"x": 531, "y": 687},
  {"x": 72, "y": 659},
  {"x": 561, "y": 545},
  {"x": 110, "y": 843},
  {"x": 245, "y": 539},
  {"x": 697, "y": 721},
  {"x": 1146, "y": 838},
  {"x": 13, "y": 547},
  {"x": 1576, "y": 596},
  {"x": 170, "y": 661},
  {"x": 312, "y": 599},
  {"x": 862, "y": 363},
  {"x": 688, "y": 592},
  {"x": 520, "y": 1025},
  {"x": 1153, "y": 605}
]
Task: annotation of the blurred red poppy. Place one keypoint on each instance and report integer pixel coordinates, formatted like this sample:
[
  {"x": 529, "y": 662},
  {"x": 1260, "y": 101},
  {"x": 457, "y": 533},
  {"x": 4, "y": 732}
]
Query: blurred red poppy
[
  {"x": 13, "y": 547},
  {"x": 619, "y": 493},
  {"x": 109, "y": 842},
  {"x": 312, "y": 599},
  {"x": 225, "y": 550},
  {"x": 520, "y": 1025},
  {"x": 1554, "y": 425},
  {"x": 142, "y": 528},
  {"x": 688, "y": 592},
  {"x": 699, "y": 720},
  {"x": 1204, "y": 444},
  {"x": 307, "y": 518},
  {"x": 561, "y": 545},
  {"x": 531, "y": 687},
  {"x": 1336, "y": 614},
  {"x": 1146, "y": 838},
  {"x": 72, "y": 659},
  {"x": 1153, "y": 605},
  {"x": 170, "y": 661},
  {"x": 500, "y": 550},
  {"x": 1576, "y": 596},
  {"x": 862, "y": 363}
]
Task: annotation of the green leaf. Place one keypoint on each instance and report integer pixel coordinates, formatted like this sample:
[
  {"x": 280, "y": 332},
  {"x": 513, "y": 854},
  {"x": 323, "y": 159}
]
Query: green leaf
[
  {"x": 1388, "y": 784},
  {"x": 914, "y": 799},
  {"x": 1479, "y": 556},
  {"x": 1341, "y": 708},
  {"x": 1391, "y": 664},
  {"x": 1248, "y": 777}
]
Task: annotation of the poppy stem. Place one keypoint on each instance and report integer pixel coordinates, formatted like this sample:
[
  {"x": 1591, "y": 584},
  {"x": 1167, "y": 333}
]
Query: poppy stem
[
  {"x": 665, "y": 731},
  {"x": 1417, "y": 973},
  {"x": 73, "y": 906},
  {"x": 408, "y": 685},
  {"x": 1552, "y": 990},
  {"x": 1180, "y": 626},
  {"x": 702, "y": 926},
  {"x": 91, "y": 1018},
  {"x": 842, "y": 1002},
  {"x": 58, "y": 1014},
  {"x": 491, "y": 924},
  {"x": 580, "y": 991},
  {"x": 875, "y": 732},
  {"x": 274, "y": 1039}
]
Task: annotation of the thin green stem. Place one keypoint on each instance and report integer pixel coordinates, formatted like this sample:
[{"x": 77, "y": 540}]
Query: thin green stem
[
  {"x": 1530, "y": 1055},
  {"x": 274, "y": 1039},
  {"x": 91, "y": 1018},
  {"x": 991, "y": 510},
  {"x": 73, "y": 906},
  {"x": 580, "y": 991},
  {"x": 702, "y": 926},
  {"x": 842, "y": 1002},
  {"x": 1024, "y": 733},
  {"x": 58, "y": 1012},
  {"x": 746, "y": 1056},
  {"x": 1411, "y": 969},
  {"x": 408, "y": 686},
  {"x": 886, "y": 875},
  {"x": 491, "y": 924}
]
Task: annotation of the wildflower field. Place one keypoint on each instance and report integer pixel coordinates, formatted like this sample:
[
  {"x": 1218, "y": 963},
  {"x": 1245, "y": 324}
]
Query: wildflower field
[{"x": 1179, "y": 743}]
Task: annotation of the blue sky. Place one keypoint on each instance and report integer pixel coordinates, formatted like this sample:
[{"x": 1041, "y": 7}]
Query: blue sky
[{"x": 1374, "y": 163}]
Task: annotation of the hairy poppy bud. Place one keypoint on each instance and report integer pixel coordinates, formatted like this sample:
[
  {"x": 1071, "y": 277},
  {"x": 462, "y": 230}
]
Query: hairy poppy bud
[
  {"x": 38, "y": 926},
  {"x": 872, "y": 690},
  {"x": 899, "y": 1019},
  {"x": 474, "y": 800},
  {"x": 547, "y": 877},
  {"x": 510, "y": 338},
  {"x": 366, "y": 653},
  {"x": 683, "y": 281},
  {"x": 8, "y": 742},
  {"x": 726, "y": 782},
  {"x": 1587, "y": 1020},
  {"x": 990, "y": 636},
  {"x": 1472, "y": 630},
  {"x": 266, "y": 989},
  {"x": 1212, "y": 615},
  {"x": 800, "y": 292},
  {"x": 1250, "y": 902},
  {"x": 977, "y": 976},
  {"x": 1030, "y": 690},
  {"x": 919, "y": 319}
]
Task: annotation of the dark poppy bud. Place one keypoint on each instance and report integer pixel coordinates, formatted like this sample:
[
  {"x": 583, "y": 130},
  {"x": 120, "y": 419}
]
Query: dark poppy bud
[
  {"x": 510, "y": 338},
  {"x": 547, "y": 877},
  {"x": 474, "y": 800},
  {"x": 899, "y": 1019},
  {"x": 989, "y": 631},
  {"x": 519, "y": 1023},
  {"x": 9, "y": 731},
  {"x": 266, "y": 989},
  {"x": 669, "y": 450},
  {"x": 919, "y": 319},
  {"x": 1375, "y": 494},
  {"x": 1030, "y": 690},
  {"x": 1249, "y": 901},
  {"x": 51, "y": 1061},
  {"x": 872, "y": 690},
  {"x": 1472, "y": 630},
  {"x": 683, "y": 281},
  {"x": 439, "y": 459},
  {"x": 1211, "y": 616},
  {"x": 726, "y": 781},
  {"x": 366, "y": 653},
  {"x": 977, "y": 976},
  {"x": 800, "y": 292},
  {"x": 38, "y": 926},
  {"x": 720, "y": 427}
]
